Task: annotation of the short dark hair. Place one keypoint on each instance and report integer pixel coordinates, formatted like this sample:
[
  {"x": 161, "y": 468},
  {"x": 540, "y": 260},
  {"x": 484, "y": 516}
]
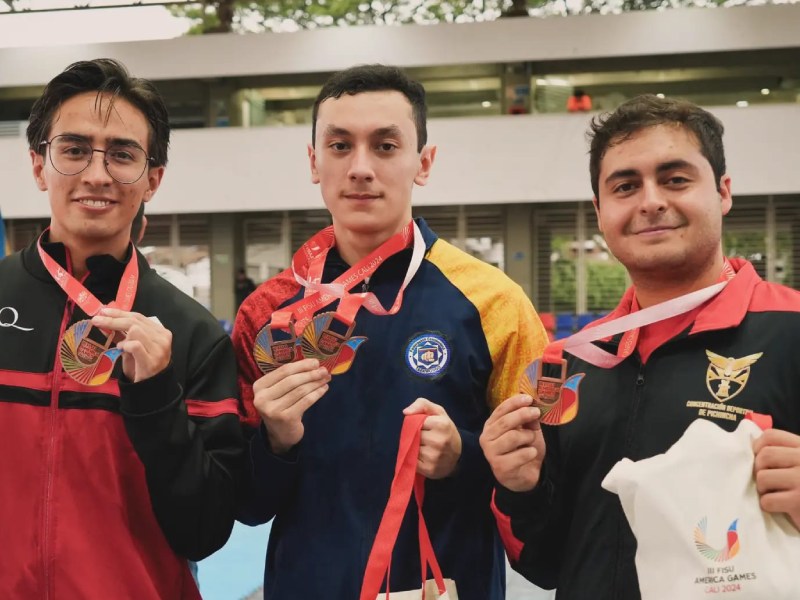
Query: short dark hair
[
  {"x": 104, "y": 76},
  {"x": 375, "y": 78},
  {"x": 648, "y": 111}
]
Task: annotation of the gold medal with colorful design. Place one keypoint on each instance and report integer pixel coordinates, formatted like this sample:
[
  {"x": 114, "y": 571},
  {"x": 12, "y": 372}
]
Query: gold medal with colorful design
[
  {"x": 327, "y": 339},
  {"x": 86, "y": 354},
  {"x": 271, "y": 353},
  {"x": 555, "y": 397}
]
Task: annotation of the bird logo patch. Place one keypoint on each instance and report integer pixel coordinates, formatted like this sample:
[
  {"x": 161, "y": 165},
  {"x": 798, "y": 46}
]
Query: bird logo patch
[{"x": 726, "y": 377}]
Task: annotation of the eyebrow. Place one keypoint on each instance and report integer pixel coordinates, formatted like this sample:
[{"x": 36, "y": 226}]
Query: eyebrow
[
  {"x": 381, "y": 132},
  {"x": 664, "y": 167},
  {"x": 671, "y": 165},
  {"x": 116, "y": 141}
]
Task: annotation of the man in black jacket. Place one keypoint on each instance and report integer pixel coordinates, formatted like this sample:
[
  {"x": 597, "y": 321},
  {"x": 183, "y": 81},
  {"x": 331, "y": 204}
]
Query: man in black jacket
[
  {"x": 121, "y": 440},
  {"x": 660, "y": 191}
]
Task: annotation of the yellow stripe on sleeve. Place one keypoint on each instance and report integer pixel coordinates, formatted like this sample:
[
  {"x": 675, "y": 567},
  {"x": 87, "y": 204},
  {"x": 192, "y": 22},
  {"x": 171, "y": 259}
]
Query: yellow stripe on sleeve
[{"x": 513, "y": 330}]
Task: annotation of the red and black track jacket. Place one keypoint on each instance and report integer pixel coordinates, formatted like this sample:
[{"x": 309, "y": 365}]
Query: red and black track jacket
[
  {"x": 737, "y": 353},
  {"x": 107, "y": 490}
]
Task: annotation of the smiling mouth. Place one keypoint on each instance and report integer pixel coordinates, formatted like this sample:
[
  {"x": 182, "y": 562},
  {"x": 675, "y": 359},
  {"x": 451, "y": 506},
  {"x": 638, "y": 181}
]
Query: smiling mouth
[
  {"x": 95, "y": 203},
  {"x": 653, "y": 230}
]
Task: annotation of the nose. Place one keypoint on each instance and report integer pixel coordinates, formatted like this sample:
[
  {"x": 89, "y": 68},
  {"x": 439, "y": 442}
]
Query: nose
[
  {"x": 95, "y": 173},
  {"x": 652, "y": 199},
  {"x": 361, "y": 168}
]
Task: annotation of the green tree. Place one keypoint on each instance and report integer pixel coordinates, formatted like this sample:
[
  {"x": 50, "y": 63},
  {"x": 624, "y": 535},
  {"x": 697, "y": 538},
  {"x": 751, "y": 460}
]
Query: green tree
[{"x": 277, "y": 15}]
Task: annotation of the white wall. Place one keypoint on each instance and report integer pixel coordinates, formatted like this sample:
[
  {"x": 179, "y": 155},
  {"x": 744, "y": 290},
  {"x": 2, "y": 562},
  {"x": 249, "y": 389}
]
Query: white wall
[
  {"x": 639, "y": 33},
  {"x": 532, "y": 158}
]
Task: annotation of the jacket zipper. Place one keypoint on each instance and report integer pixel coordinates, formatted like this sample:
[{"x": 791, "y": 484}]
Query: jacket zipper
[
  {"x": 51, "y": 450},
  {"x": 629, "y": 435}
]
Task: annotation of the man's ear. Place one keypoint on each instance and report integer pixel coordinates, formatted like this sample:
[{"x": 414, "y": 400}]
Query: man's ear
[
  {"x": 596, "y": 204},
  {"x": 37, "y": 160},
  {"x": 312, "y": 161},
  {"x": 154, "y": 177},
  {"x": 725, "y": 195},
  {"x": 426, "y": 157}
]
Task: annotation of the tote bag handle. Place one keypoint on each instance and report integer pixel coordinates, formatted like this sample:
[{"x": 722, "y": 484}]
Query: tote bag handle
[{"x": 405, "y": 479}]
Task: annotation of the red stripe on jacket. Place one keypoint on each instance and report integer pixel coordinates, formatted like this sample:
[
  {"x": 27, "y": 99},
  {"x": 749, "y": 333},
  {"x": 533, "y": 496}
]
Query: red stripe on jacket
[
  {"x": 512, "y": 544},
  {"x": 43, "y": 382},
  {"x": 202, "y": 408}
]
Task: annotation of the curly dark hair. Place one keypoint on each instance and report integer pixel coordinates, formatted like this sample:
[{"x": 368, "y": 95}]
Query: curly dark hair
[{"x": 648, "y": 110}]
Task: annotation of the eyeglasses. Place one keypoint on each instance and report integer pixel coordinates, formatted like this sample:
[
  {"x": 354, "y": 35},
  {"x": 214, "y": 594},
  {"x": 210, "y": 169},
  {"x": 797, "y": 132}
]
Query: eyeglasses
[{"x": 125, "y": 163}]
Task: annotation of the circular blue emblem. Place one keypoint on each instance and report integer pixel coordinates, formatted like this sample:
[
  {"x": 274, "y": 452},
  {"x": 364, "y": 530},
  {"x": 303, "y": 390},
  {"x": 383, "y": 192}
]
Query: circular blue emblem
[{"x": 428, "y": 354}]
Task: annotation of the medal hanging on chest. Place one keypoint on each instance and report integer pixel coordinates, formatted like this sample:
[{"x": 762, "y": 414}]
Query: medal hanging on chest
[
  {"x": 85, "y": 350},
  {"x": 328, "y": 336}
]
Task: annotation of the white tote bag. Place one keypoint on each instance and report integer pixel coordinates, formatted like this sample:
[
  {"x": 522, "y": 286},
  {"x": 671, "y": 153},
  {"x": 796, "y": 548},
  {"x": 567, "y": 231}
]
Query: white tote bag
[
  {"x": 380, "y": 557},
  {"x": 699, "y": 528}
]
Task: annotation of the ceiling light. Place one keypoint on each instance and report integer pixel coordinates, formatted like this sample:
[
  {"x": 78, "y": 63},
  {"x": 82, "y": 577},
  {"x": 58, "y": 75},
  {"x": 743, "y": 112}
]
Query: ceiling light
[
  {"x": 486, "y": 104},
  {"x": 742, "y": 104},
  {"x": 765, "y": 91}
]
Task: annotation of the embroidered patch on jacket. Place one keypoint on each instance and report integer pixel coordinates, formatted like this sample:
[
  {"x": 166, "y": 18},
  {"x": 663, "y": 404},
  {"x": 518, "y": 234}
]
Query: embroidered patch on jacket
[
  {"x": 727, "y": 376},
  {"x": 428, "y": 354}
]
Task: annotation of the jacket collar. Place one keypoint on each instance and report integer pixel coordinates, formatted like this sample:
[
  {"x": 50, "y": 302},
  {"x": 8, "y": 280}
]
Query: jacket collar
[
  {"x": 335, "y": 264},
  {"x": 105, "y": 271},
  {"x": 727, "y": 309}
]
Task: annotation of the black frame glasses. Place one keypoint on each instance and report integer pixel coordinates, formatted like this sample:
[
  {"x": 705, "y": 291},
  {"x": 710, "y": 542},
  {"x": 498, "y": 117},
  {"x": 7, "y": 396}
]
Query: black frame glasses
[{"x": 110, "y": 167}]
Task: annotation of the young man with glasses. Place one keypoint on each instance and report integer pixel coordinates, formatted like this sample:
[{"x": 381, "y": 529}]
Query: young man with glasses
[
  {"x": 438, "y": 332},
  {"x": 118, "y": 410}
]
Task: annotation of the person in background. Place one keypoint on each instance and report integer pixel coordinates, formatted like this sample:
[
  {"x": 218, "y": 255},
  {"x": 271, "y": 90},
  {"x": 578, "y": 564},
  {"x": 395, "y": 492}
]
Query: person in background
[
  {"x": 579, "y": 101},
  {"x": 244, "y": 286}
]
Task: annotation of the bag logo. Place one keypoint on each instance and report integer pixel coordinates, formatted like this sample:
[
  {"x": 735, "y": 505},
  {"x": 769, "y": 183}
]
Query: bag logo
[
  {"x": 726, "y": 553},
  {"x": 726, "y": 377},
  {"x": 428, "y": 354}
]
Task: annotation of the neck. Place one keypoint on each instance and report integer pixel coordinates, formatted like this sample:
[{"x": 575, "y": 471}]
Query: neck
[
  {"x": 651, "y": 288},
  {"x": 355, "y": 246},
  {"x": 80, "y": 250}
]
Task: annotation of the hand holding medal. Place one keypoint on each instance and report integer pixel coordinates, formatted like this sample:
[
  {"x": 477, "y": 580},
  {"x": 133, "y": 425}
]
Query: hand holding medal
[
  {"x": 513, "y": 443},
  {"x": 86, "y": 350},
  {"x": 147, "y": 345},
  {"x": 282, "y": 397}
]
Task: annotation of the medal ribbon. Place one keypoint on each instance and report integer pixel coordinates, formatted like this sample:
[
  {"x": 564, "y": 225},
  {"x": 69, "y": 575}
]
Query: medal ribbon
[
  {"x": 310, "y": 259},
  {"x": 580, "y": 344},
  {"x": 82, "y": 297}
]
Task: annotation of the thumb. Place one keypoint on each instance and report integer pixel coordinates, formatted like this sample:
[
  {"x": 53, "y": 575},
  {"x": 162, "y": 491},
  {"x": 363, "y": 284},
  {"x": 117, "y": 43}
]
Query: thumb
[{"x": 423, "y": 406}]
